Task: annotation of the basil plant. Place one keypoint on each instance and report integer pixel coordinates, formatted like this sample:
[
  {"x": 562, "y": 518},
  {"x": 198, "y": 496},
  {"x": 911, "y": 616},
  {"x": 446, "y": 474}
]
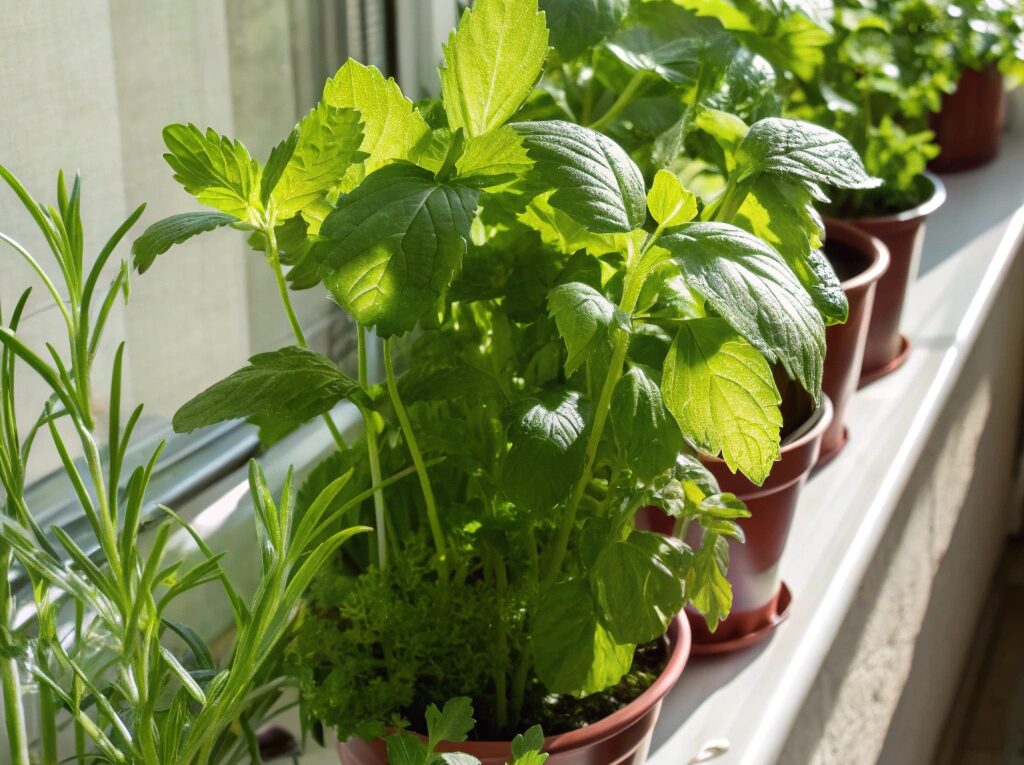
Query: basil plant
[{"x": 563, "y": 330}]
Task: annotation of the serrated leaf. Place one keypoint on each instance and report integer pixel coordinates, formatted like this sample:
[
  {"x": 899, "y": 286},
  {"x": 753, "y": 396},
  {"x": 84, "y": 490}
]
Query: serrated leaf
[
  {"x": 491, "y": 63},
  {"x": 645, "y": 432},
  {"x": 548, "y": 443},
  {"x": 276, "y": 163},
  {"x": 639, "y": 585},
  {"x": 526, "y": 743},
  {"x": 572, "y": 652},
  {"x": 328, "y": 143},
  {"x": 577, "y": 25},
  {"x": 722, "y": 394},
  {"x": 392, "y": 246},
  {"x": 214, "y": 169},
  {"x": 406, "y": 749},
  {"x": 453, "y": 723},
  {"x": 669, "y": 202},
  {"x": 290, "y": 383},
  {"x": 585, "y": 319},
  {"x": 391, "y": 124},
  {"x": 494, "y": 159},
  {"x": 164, "y": 234},
  {"x": 597, "y": 183},
  {"x": 710, "y": 592},
  {"x": 792, "y": 148},
  {"x": 752, "y": 288}
]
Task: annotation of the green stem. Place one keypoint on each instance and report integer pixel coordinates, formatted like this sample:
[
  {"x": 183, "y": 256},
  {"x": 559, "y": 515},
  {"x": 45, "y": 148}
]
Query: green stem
[
  {"x": 500, "y": 682},
  {"x": 10, "y": 680},
  {"x": 724, "y": 208},
  {"x": 48, "y": 725},
  {"x": 274, "y": 258},
  {"x": 625, "y": 99},
  {"x": 373, "y": 454},
  {"x": 417, "y": 459}
]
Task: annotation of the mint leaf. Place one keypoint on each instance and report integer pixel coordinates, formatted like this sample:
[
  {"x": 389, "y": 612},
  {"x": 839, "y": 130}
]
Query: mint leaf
[
  {"x": 527, "y": 743},
  {"x": 290, "y": 384},
  {"x": 280, "y": 155},
  {"x": 710, "y": 591},
  {"x": 214, "y": 169},
  {"x": 722, "y": 394},
  {"x": 548, "y": 443},
  {"x": 392, "y": 246},
  {"x": 577, "y": 25},
  {"x": 803, "y": 150},
  {"x": 491, "y": 160},
  {"x": 597, "y": 183},
  {"x": 585, "y": 319},
  {"x": 391, "y": 124},
  {"x": 669, "y": 202},
  {"x": 645, "y": 432},
  {"x": 491, "y": 63},
  {"x": 453, "y": 723},
  {"x": 752, "y": 288},
  {"x": 572, "y": 652},
  {"x": 162, "y": 235},
  {"x": 327, "y": 144},
  {"x": 639, "y": 585},
  {"x": 406, "y": 749}
]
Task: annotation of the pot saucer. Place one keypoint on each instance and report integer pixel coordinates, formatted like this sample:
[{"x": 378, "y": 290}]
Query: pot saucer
[
  {"x": 826, "y": 457},
  {"x": 751, "y": 638},
  {"x": 869, "y": 376}
]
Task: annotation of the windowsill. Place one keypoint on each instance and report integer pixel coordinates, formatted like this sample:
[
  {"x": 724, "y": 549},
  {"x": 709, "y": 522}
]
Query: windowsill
[{"x": 748, "y": 702}]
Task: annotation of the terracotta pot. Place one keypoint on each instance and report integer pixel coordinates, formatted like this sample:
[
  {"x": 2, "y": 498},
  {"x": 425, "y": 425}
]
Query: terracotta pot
[
  {"x": 622, "y": 738},
  {"x": 860, "y": 261},
  {"x": 760, "y": 599},
  {"x": 903, "y": 235},
  {"x": 969, "y": 125}
]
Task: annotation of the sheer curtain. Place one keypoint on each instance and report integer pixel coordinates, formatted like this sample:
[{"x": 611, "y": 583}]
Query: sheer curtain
[{"x": 89, "y": 86}]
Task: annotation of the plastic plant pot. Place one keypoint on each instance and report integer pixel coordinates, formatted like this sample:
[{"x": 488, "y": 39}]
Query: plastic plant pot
[
  {"x": 969, "y": 125},
  {"x": 622, "y": 738},
  {"x": 903, "y": 236},
  {"x": 860, "y": 261}
]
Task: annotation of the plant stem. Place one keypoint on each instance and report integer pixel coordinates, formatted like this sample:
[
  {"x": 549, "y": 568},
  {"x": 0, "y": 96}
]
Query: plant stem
[
  {"x": 500, "y": 684},
  {"x": 417, "y": 459},
  {"x": 274, "y": 258},
  {"x": 625, "y": 99},
  {"x": 631, "y": 292},
  {"x": 47, "y": 725},
  {"x": 373, "y": 454},
  {"x": 724, "y": 208},
  {"x": 10, "y": 680}
]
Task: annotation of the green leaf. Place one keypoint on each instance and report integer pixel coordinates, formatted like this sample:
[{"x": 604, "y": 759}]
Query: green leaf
[
  {"x": 214, "y": 169},
  {"x": 585, "y": 319},
  {"x": 722, "y": 394},
  {"x": 639, "y": 584},
  {"x": 710, "y": 591},
  {"x": 280, "y": 155},
  {"x": 328, "y": 143},
  {"x": 548, "y": 443},
  {"x": 792, "y": 148},
  {"x": 645, "y": 432},
  {"x": 669, "y": 202},
  {"x": 393, "y": 245},
  {"x": 290, "y": 383},
  {"x": 527, "y": 743},
  {"x": 578, "y": 25},
  {"x": 752, "y": 288},
  {"x": 491, "y": 63},
  {"x": 596, "y": 181},
  {"x": 572, "y": 652},
  {"x": 164, "y": 234},
  {"x": 494, "y": 159},
  {"x": 200, "y": 651},
  {"x": 453, "y": 723},
  {"x": 406, "y": 749},
  {"x": 391, "y": 124}
]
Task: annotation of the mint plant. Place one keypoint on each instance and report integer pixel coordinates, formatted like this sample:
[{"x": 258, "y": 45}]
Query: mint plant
[
  {"x": 987, "y": 34},
  {"x": 571, "y": 327},
  {"x": 105, "y": 653}
]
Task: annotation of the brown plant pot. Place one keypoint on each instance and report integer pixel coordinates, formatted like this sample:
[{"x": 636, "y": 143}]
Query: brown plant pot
[
  {"x": 969, "y": 125},
  {"x": 759, "y": 598},
  {"x": 860, "y": 261},
  {"x": 903, "y": 235},
  {"x": 622, "y": 738}
]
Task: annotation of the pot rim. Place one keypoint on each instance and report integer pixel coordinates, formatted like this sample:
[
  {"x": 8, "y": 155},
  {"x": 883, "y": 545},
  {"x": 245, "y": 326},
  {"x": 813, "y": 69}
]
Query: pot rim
[
  {"x": 923, "y": 210},
  {"x": 866, "y": 243}
]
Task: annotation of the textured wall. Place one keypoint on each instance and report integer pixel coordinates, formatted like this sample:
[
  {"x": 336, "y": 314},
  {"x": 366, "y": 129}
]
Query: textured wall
[{"x": 888, "y": 683}]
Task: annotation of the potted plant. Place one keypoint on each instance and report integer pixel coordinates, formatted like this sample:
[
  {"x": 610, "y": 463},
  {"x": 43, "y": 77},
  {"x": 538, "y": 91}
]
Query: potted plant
[
  {"x": 105, "y": 653},
  {"x": 984, "y": 41},
  {"x": 671, "y": 86}
]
